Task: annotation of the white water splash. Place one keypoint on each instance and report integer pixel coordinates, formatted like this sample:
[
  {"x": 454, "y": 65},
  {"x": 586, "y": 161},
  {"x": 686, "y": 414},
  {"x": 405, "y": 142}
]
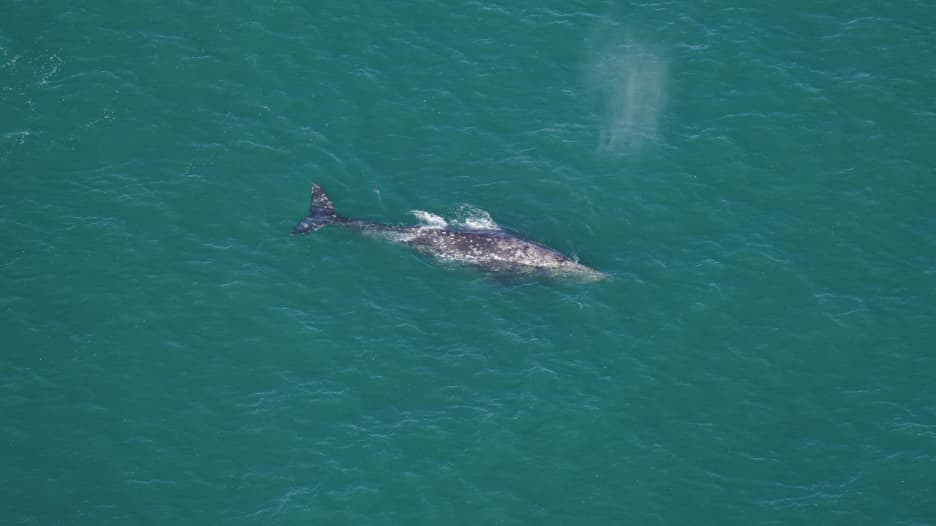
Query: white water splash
[
  {"x": 473, "y": 218},
  {"x": 429, "y": 219},
  {"x": 466, "y": 217}
]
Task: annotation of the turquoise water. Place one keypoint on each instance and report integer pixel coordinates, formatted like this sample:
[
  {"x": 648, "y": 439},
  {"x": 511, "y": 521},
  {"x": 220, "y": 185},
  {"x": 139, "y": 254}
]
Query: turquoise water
[{"x": 759, "y": 182}]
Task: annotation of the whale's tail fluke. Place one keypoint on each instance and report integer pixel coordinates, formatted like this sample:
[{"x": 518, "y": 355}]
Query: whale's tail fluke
[{"x": 321, "y": 213}]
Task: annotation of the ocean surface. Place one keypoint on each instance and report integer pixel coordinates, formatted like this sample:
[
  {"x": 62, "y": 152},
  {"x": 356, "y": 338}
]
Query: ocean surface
[{"x": 759, "y": 182}]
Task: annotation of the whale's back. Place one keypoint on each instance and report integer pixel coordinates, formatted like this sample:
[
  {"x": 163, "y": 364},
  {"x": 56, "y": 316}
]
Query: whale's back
[{"x": 495, "y": 250}]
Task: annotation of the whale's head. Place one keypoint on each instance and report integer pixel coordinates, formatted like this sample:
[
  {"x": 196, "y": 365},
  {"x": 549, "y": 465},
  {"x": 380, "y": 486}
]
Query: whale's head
[{"x": 569, "y": 268}]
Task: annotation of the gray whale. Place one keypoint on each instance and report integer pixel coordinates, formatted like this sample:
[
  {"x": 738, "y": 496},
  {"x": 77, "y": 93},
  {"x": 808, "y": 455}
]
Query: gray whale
[{"x": 493, "y": 250}]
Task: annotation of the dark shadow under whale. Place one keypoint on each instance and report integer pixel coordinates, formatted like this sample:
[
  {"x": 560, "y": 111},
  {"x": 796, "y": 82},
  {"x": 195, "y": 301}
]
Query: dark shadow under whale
[{"x": 491, "y": 249}]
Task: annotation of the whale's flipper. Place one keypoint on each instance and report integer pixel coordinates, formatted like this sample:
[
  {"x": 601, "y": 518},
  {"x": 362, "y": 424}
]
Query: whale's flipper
[{"x": 321, "y": 213}]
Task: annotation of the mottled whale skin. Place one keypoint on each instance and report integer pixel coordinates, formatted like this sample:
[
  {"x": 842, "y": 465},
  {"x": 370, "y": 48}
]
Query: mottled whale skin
[{"x": 493, "y": 250}]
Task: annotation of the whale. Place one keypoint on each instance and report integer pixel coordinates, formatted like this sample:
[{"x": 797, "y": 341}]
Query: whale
[{"x": 491, "y": 249}]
